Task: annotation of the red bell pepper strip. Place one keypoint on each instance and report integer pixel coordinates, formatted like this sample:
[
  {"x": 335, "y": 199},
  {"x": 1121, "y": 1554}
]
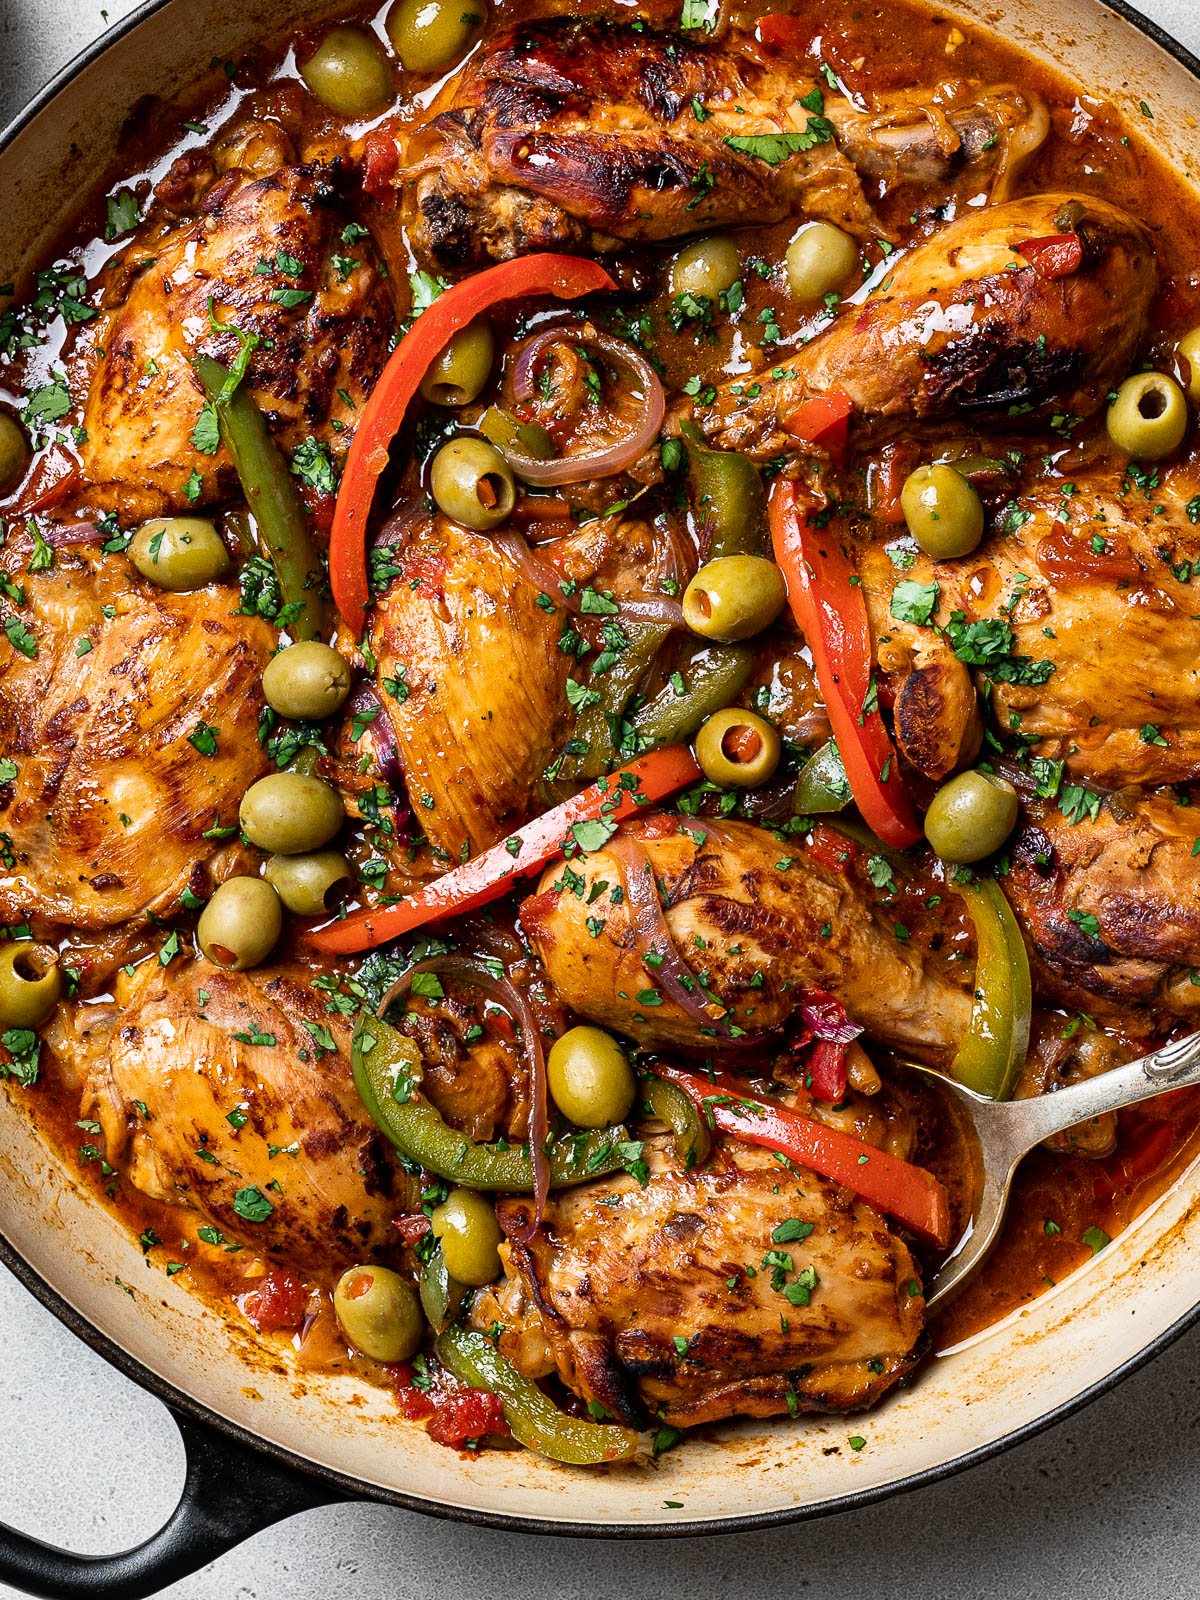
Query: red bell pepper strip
[
  {"x": 908, "y": 1193},
  {"x": 622, "y": 794},
  {"x": 823, "y": 421},
  {"x": 1054, "y": 256},
  {"x": 565, "y": 277},
  {"x": 832, "y": 614}
]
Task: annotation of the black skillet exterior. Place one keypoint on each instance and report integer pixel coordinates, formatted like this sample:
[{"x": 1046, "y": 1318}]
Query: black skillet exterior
[{"x": 217, "y": 1509}]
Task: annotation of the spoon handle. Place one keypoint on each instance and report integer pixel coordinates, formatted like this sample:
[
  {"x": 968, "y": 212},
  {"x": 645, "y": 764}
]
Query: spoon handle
[{"x": 1175, "y": 1066}]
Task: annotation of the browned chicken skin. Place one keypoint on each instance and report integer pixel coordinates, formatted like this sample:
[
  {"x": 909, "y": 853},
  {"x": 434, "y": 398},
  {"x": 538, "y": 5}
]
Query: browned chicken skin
[
  {"x": 618, "y": 1274},
  {"x": 1117, "y": 626},
  {"x": 758, "y": 921},
  {"x": 567, "y": 135},
  {"x": 107, "y": 816},
  {"x": 260, "y": 255},
  {"x": 196, "y": 1044},
  {"x": 965, "y": 326}
]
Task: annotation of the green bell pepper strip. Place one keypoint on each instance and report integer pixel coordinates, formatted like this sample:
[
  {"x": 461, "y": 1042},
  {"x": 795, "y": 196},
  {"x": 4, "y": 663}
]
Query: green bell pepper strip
[
  {"x": 441, "y": 1295},
  {"x": 277, "y": 511},
  {"x": 386, "y": 1074},
  {"x": 615, "y": 687},
  {"x": 727, "y": 491},
  {"x": 535, "y": 1421},
  {"x": 822, "y": 785},
  {"x": 992, "y": 1054},
  {"x": 670, "y": 1105},
  {"x": 712, "y": 679}
]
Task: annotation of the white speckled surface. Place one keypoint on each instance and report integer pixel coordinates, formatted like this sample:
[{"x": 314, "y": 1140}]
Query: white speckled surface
[{"x": 1105, "y": 1505}]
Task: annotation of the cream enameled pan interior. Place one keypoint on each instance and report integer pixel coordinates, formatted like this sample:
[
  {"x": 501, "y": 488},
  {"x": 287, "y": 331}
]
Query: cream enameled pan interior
[{"x": 1023, "y": 1370}]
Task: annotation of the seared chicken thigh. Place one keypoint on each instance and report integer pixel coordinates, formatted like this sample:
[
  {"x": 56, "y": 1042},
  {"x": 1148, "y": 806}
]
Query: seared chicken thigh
[
  {"x": 1092, "y": 580},
  {"x": 756, "y": 923},
  {"x": 107, "y": 815},
  {"x": 263, "y": 255},
  {"x": 675, "y": 1299},
  {"x": 220, "y": 1093},
  {"x": 967, "y": 325},
  {"x": 570, "y": 135}
]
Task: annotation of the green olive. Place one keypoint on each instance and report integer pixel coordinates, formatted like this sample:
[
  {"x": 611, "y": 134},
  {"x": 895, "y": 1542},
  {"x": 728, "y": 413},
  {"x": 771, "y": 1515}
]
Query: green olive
[
  {"x": 349, "y": 72},
  {"x": 306, "y": 884},
  {"x": 737, "y": 747},
  {"x": 240, "y": 925},
  {"x": 943, "y": 512},
  {"x": 734, "y": 597},
  {"x": 819, "y": 260},
  {"x": 971, "y": 816},
  {"x": 465, "y": 1223},
  {"x": 473, "y": 483},
  {"x": 464, "y": 366},
  {"x": 1188, "y": 351},
  {"x": 14, "y": 451},
  {"x": 430, "y": 35},
  {"x": 30, "y": 983},
  {"x": 308, "y": 681},
  {"x": 707, "y": 267},
  {"x": 1149, "y": 416},
  {"x": 379, "y": 1313},
  {"x": 589, "y": 1077},
  {"x": 179, "y": 553},
  {"x": 289, "y": 813}
]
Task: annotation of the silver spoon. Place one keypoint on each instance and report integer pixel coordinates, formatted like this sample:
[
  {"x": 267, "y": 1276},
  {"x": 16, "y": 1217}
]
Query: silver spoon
[{"x": 1005, "y": 1131}]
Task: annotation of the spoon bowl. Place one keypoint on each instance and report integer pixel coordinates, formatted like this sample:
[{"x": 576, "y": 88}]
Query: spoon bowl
[{"x": 1002, "y": 1132}]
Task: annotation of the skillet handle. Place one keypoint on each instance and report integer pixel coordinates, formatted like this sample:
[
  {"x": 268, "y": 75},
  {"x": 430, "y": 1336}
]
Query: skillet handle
[{"x": 230, "y": 1492}]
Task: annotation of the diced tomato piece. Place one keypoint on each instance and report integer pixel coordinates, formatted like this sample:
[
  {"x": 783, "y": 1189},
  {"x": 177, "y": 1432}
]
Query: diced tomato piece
[
  {"x": 1054, "y": 256},
  {"x": 413, "y": 1227},
  {"x": 278, "y": 1302},
  {"x": 831, "y": 849},
  {"x": 463, "y": 1414},
  {"x": 413, "y": 1404},
  {"x": 381, "y": 158}
]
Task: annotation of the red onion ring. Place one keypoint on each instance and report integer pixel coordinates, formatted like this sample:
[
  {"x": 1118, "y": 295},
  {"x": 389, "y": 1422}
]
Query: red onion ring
[
  {"x": 654, "y": 937},
  {"x": 61, "y": 534},
  {"x": 504, "y": 993},
  {"x": 604, "y": 463},
  {"x": 546, "y": 577}
]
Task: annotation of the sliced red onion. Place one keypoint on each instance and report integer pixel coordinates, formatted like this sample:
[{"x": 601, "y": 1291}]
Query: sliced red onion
[
  {"x": 504, "y": 993},
  {"x": 671, "y": 973},
  {"x": 543, "y": 575},
  {"x": 616, "y": 457},
  {"x": 60, "y": 534},
  {"x": 826, "y": 1016},
  {"x": 382, "y": 738}
]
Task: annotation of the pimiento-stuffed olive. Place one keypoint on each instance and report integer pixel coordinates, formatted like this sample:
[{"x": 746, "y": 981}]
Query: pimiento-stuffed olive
[
  {"x": 30, "y": 983},
  {"x": 309, "y": 681},
  {"x": 819, "y": 260},
  {"x": 971, "y": 816},
  {"x": 179, "y": 553},
  {"x": 379, "y": 1313},
  {"x": 943, "y": 512},
  {"x": 589, "y": 1078},
  {"x": 734, "y": 597},
  {"x": 465, "y": 1224},
  {"x": 706, "y": 268},
  {"x": 14, "y": 451},
  {"x": 473, "y": 483},
  {"x": 737, "y": 747},
  {"x": 309, "y": 884},
  {"x": 1149, "y": 416},
  {"x": 464, "y": 366},
  {"x": 241, "y": 924},
  {"x": 289, "y": 812},
  {"x": 430, "y": 35},
  {"x": 349, "y": 72}
]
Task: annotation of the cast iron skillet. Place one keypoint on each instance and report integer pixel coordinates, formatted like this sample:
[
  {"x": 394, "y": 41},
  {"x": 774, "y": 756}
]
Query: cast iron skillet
[{"x": 237, "y": 1483}]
